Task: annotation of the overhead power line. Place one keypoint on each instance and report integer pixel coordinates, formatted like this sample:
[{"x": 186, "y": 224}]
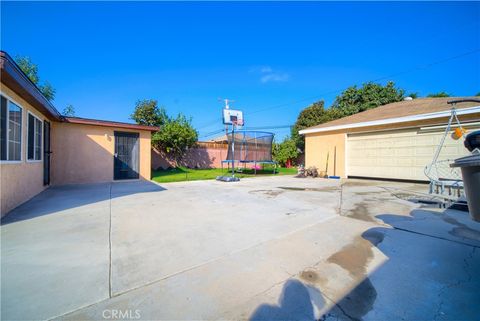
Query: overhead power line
[
  {"x": 417, "y": 68},
  {"x": 218, "y": 131}
]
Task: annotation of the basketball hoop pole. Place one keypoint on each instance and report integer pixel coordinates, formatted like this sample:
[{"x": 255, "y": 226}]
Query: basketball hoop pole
[
  {"x": 235, "y": 118},
  {"x": 233, "y": 149}
]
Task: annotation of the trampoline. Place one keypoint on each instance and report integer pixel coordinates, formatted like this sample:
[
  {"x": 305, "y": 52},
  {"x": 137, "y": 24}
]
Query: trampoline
[{"x": 248, "y": 146}]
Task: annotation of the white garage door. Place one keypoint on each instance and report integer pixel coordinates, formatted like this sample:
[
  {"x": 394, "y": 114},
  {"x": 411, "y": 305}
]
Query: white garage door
[{"x": 398, "y": 154}]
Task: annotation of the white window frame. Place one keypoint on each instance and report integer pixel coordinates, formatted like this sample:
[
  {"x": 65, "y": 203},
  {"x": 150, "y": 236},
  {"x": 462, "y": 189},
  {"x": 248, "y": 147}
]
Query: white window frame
[
  {"x": 10, "y": 100},
  {"x": 41, "y": 140}
]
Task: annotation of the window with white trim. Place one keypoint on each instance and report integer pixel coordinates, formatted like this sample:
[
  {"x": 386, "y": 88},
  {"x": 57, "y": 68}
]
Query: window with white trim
[
  {"x": 10, "y": 131},
  {"x": 34, "y": 150}
]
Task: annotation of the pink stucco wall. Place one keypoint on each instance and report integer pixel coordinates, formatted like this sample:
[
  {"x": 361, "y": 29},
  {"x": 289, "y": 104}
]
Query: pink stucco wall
[{"x": 20, "y": 180}]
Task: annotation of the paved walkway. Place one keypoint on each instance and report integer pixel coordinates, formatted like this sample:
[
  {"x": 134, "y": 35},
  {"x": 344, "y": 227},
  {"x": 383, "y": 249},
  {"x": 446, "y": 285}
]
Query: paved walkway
[{"x": 277, "y": 248}]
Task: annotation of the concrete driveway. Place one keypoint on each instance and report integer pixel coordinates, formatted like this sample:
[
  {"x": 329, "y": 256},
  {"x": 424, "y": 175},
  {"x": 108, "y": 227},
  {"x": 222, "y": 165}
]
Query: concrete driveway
[{"x": 277, "y": 248}]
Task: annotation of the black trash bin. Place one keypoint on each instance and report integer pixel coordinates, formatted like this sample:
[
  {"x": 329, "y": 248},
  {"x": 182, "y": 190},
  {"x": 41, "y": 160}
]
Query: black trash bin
[
  {"x": 470, "y": 166},
  {"x": 472, "y": 141}
]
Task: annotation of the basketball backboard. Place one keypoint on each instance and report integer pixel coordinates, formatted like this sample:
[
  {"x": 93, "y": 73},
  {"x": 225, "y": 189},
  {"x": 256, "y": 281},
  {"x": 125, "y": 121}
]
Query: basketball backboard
[{"x": 231, "y": 116}]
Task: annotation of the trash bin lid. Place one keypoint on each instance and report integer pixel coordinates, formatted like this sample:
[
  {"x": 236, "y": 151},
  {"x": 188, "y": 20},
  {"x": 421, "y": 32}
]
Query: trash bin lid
[{"x": 467, "y": 161}]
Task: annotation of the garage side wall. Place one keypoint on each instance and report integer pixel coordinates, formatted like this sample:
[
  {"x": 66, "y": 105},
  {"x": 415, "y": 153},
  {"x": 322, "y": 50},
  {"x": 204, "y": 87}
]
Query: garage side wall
[
  {"x": 20, "y": 180},
  {"x": 319, "y": 146},
  {"x": 84, "y": 153}
]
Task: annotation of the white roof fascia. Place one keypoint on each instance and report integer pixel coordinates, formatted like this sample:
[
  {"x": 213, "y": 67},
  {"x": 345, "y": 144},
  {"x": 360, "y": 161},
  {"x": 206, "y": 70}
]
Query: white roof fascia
[{"x": 440, "y": 114}]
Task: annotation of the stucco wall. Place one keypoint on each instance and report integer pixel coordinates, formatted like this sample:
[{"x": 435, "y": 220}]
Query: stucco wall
[
  {"x": 21, "y": 180},
  {"x": 84, "y": 153},
  {"x": 319, "y": 146}
]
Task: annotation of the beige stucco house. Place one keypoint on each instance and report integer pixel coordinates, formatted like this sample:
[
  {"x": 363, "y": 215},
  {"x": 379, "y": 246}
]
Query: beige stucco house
[
  {"x": 40, "y": 147},
  {"x": 394, "y": 141}
]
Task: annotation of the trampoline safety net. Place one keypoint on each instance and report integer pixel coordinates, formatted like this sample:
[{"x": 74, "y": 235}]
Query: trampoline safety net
[{"x": 250, "y": 146}]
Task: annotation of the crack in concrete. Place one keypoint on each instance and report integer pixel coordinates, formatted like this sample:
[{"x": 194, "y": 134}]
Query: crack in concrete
[
  {"x": 458, "y": 283},
  {"x": 326, "y": 315}
]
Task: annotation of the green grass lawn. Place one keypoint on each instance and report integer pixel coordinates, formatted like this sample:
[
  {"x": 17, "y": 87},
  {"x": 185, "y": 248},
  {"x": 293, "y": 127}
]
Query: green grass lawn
[{"x": 188, "y": 174}]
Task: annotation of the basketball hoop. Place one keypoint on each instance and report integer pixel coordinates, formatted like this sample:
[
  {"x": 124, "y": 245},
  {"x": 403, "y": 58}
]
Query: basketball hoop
[{"x": 238, "y": 122}]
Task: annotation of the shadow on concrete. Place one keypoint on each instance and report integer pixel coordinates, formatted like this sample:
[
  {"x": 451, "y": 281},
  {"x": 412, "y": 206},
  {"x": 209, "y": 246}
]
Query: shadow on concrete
[
  {"x": 452, "y": 225},
  {"x": 430, "y": 272},
  {"x": 61, "y": 198},
  {"x": 297, "y": 302}
]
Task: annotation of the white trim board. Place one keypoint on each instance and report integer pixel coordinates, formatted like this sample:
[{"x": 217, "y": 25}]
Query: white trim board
[{"x": 441, "y": 114}]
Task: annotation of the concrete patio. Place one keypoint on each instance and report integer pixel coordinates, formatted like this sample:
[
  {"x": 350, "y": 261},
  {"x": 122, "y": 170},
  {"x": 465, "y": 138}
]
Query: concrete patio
[{"x": 276, "y": 248}]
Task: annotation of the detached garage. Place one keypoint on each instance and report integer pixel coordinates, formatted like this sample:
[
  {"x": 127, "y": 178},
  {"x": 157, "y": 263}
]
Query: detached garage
[{"x": 394, "y": 141}]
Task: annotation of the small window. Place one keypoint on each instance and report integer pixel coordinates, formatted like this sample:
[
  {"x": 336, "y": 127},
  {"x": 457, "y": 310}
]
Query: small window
[
  {"x": 10, "y": 131},
  {"x": 34, "y": 138}
]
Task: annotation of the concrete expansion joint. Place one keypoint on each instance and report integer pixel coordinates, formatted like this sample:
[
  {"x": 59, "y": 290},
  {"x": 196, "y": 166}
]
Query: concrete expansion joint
[
  {"x": 339, "y": 307},
  {"x": 112, "y": 295},
  {"x": 433, "y": 236},
  {"x": 273, "y": 285},
  {"x": 110, "y": 245},
  {"x": 341, "y": 199}
]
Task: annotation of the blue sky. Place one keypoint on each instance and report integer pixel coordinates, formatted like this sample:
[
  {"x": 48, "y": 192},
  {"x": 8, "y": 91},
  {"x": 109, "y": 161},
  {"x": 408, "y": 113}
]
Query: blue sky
[{"x": 272, "y": 58}]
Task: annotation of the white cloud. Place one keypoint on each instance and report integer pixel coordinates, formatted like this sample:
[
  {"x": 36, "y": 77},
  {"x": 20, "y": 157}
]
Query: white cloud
[
  {"x": 276, "y": 77},
  {"x": 267, "y": 74},
  {"x": 265, "y": 69}
]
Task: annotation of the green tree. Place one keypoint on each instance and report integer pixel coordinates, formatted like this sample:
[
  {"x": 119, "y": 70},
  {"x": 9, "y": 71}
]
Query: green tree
[
  {"x": 354, "y": 100},
  {"x": 148, "y": 113},
  {"x": 439, "y": 94},
  {"x": 31, "y": 70},
  {"x": 69, "y": 111},
  {"x": 351, "y": 101},
  {"x": 284, "y": 151},
  {"x": 478, "y": 94},
  {"x": 311, "y": 116},
  {"x": 175, "y": 137},
  {"x": 414, "y": 95}
]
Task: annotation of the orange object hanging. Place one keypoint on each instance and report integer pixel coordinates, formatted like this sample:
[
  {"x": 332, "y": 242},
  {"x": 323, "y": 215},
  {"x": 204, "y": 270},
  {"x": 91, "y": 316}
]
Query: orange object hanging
[{"x": 458, "y": 133}]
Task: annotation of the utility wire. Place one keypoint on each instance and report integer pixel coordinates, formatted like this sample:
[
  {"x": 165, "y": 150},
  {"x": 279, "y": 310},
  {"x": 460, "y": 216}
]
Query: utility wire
[
  {"x": 248, "y": 128},
  {"x": 419, "y": 67}
]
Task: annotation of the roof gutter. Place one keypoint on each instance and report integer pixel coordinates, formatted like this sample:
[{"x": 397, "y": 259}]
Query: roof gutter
[
  {"x": 441, "y": 114},
  {"x": 14, "y": 78},
  {"x": 107, "y": 123}
]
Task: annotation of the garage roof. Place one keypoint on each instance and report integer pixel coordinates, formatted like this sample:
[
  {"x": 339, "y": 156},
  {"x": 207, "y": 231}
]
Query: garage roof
[{"x": 402, "y": 111}]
